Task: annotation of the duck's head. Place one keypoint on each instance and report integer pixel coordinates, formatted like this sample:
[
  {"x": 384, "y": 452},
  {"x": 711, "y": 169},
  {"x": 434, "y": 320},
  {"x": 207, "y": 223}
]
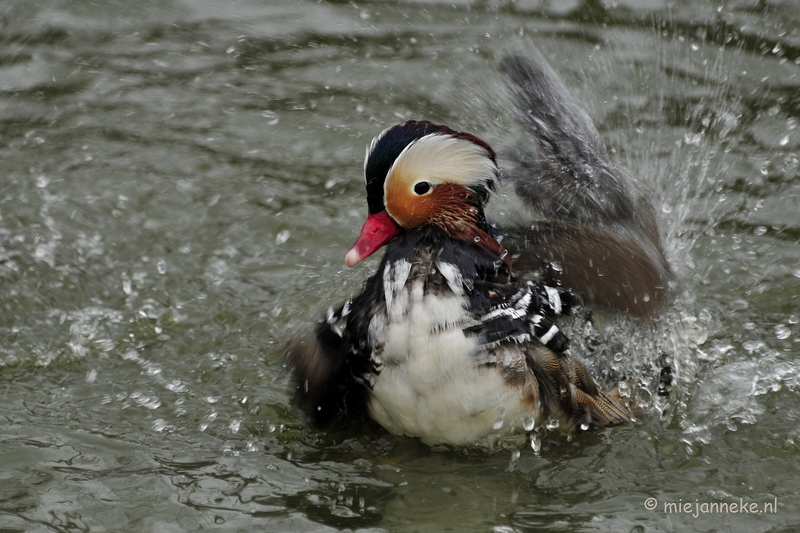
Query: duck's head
[{"x": 419, "y": 174}]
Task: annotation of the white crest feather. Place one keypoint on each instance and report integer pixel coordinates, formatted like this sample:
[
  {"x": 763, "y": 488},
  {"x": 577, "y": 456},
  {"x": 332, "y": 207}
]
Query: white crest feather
[{"x": 439, "y": 158}]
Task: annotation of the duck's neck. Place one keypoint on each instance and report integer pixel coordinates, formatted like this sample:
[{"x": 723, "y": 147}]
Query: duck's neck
[
  {"x": 457, "y": 246},
  {"x": 462, "y": 218}
]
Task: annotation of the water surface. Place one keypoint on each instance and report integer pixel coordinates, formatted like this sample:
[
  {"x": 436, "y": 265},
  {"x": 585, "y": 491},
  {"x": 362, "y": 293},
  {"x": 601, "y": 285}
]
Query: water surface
[{"x": 180, "y": 182}]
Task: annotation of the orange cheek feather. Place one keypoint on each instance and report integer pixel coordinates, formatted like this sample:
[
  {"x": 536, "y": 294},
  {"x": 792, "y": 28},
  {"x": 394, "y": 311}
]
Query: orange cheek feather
[{"x": 408, "y": 209}]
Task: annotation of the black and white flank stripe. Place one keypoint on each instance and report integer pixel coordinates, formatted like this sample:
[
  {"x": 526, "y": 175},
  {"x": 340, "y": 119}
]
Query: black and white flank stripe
[{"x": 524, "y": 316}]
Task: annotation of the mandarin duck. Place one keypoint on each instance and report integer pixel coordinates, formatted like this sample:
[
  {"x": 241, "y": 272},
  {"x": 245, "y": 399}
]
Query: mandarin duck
[{"x": 454, "y": 338}]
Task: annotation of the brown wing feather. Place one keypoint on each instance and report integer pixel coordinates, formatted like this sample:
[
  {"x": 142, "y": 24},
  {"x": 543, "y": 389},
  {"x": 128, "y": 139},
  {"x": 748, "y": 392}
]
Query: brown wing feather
[
  {"x": 613, "y": 268},
  {"x": 605, "y": 244}
]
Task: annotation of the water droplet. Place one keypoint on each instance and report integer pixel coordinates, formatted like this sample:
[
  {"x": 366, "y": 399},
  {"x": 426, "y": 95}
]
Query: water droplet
[
  {"x": 176, "y": 386},
  {"x": 148, "y": 402},
  {"x": 536, "y": 444},
  {"x": 584, "y": 426},
  {"x": 160, "y": 425},
  {"x": 528, "y": 423},
  {"x": 498, "y": 423},
  {"x": 784, "y": 140},
  {"x": 740, "y": 305},
  {"x": 552, "y": 424},
  {"x": 753, "y": 346},
  {"x": 282, "y": 236},
  {"x": 477, "y": 239},
  {"x": 271, "y": 116},
  {"x": 782, "y": 332}
]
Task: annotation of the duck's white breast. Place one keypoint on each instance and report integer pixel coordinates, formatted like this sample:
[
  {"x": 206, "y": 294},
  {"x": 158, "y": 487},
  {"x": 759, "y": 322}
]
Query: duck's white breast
[{"x": 431, "y": 384}]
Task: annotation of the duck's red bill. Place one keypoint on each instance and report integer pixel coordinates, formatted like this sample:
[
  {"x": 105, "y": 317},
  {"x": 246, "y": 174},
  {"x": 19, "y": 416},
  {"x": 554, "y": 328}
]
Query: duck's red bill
[{"x": 378, "y": 230}]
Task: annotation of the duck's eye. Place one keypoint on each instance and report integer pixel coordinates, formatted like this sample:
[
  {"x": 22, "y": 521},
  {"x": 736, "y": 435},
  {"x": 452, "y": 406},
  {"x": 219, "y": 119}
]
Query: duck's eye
[{"x": 422, "y": 187}]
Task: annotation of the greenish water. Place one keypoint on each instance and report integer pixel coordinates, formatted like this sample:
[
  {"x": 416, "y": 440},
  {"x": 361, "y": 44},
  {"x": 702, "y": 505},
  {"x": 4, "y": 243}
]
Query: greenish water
[{"x": 180, "y": 182}]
